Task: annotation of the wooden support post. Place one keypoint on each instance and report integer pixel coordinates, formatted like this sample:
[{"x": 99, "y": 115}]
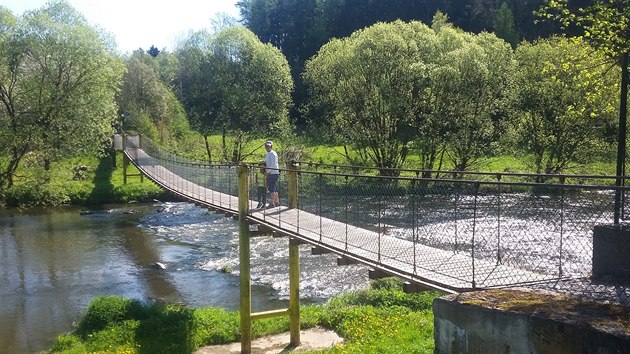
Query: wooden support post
[
  {"x": 140, "y": 147},
  {"x": 292, "y": 186},
  {"x": 125, "y": 159},
  {"x": 244, "y": 259},
  {"x": 294, "y": 294},
  {"x": 294, "y": 265}
]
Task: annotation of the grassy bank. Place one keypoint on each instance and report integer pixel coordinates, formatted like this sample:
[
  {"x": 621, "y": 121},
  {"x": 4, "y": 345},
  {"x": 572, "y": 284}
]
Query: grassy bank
[
  {"x": 375, "y": 320},
  {"x": 87, "y": 180}
]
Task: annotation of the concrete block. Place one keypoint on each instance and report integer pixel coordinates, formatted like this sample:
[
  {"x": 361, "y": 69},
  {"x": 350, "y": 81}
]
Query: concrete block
[{"x": 611, "y": 251}]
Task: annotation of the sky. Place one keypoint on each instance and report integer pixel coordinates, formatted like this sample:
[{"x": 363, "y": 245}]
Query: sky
[{"x": 141, "y": 23}]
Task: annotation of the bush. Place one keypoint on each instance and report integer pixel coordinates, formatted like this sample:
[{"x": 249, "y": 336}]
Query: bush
[{"x": 103, "y": 312}]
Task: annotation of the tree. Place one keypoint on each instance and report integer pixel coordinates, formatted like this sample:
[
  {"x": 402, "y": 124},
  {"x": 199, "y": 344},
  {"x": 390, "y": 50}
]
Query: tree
[
  {"x": 234, "y": 85},
  {"x": 372, "y": 81},
  {"x": 153, "y": 51},
  {"x": 566, "y": 99},
  {"x": 606, "y": 25},
  {"x": 58, "y": 79},
  {"x": 504, "y": 25},
  {"x": 471, "y": 83},
  {"x": 148, "y": 104}
]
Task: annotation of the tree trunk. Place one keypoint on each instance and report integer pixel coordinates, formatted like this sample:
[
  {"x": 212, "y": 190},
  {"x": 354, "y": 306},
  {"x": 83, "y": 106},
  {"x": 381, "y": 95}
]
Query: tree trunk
[
  {"x": 208, "y": 149},
  {"x": 224, "y": 147}
]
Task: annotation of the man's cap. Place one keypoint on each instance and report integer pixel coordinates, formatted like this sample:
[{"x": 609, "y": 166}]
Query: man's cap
[{"x": 268, "y": 143}]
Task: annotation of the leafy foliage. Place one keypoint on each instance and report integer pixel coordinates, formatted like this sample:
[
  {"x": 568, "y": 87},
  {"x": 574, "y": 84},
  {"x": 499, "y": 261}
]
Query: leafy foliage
[
  {"x": 372, "y": 81},
  {"x": 147, "y": 103},
  {"x": 392, "y": 84},
  {"x": 605, "y": 23},
  {"x": 504, "y": 25},
  {"x": 58, "y": 78},
  {"x": 565, "y": 101},
  {"x": 234, "y": 85}
]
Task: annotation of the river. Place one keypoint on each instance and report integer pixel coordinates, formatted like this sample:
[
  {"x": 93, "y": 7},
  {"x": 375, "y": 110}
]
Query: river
[{"x": 53, "y": 262}]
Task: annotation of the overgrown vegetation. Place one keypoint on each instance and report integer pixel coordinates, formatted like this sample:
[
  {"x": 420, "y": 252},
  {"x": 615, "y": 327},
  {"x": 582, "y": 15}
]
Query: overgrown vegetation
[{"x": 376, "y": 320}]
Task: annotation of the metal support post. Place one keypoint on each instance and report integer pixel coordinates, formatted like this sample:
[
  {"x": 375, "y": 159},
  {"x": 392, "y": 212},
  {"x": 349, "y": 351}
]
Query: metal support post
[
  {"x": 621, "y": 142},
  {"x": 244, "y": 258},
  {"x": 292, "y": 186}
]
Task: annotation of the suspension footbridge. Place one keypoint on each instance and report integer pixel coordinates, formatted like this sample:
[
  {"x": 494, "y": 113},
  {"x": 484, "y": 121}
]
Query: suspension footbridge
[{"x": 449, "y": 234}]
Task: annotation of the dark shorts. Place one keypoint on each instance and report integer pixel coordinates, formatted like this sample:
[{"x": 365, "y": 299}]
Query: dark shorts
[{"x": 272, "y": 181}]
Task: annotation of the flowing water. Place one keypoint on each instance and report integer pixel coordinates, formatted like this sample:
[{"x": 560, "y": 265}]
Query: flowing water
[{"x": 54, "y": 261}]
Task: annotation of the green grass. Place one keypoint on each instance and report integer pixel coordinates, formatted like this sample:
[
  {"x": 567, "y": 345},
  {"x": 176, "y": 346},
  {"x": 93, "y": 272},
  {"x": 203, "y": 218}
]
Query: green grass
[
  {"x": 87, "y": 180},
  {"x": 378, "y": 320}
]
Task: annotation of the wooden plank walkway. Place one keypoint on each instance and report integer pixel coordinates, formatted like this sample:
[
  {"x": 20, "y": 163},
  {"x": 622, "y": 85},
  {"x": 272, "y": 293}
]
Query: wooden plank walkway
[{"x": 426, "y": 266}]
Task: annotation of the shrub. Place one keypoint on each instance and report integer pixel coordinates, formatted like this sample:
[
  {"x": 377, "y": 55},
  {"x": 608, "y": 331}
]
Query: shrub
[{"x": 102, "y": 312}]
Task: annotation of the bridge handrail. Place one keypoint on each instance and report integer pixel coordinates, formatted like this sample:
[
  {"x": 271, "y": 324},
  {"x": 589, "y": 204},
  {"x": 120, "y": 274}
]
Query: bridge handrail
[
  {"x": 497, "y": 175},
  {"x": 564, "y": 179}
]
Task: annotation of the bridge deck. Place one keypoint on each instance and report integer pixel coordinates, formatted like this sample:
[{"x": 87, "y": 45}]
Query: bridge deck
[{"x": 425, "y": 265}]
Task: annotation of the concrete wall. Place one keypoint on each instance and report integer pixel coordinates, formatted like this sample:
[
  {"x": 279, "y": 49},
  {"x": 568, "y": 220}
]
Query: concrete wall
[
  {"x": 467, "y": 329},
  {"x": 611, "y": 251}
]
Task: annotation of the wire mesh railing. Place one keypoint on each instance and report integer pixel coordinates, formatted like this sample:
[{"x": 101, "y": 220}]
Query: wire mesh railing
[{"x": 452, "y": 233}]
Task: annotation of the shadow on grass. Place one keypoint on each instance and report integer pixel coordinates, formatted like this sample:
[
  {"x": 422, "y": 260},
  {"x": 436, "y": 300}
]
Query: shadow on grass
[
  {"x": 103, "y": 190},
  {"x": 115, "y": 322}
]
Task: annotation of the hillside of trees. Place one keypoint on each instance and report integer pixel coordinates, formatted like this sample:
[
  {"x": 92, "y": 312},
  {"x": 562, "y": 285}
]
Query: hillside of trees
[{"x": 448, "y": 82}]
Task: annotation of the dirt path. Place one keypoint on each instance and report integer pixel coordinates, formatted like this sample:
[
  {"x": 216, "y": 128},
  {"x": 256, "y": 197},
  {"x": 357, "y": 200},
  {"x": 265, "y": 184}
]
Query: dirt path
[{"x": 312, "y": 339}]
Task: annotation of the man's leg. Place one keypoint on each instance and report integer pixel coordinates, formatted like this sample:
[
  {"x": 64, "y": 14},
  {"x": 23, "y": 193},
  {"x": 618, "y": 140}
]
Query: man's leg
[{"x": 275, "y": 199}]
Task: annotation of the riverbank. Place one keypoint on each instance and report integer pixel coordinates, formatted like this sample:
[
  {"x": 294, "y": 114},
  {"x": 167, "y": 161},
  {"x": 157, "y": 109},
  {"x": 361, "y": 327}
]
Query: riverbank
[
  {"x": 82, "y": 181},
  {"x": 370, "y": 320}
]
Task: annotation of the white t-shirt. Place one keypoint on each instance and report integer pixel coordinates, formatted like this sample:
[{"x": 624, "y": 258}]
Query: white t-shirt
[{"x": 271, "y": 160}]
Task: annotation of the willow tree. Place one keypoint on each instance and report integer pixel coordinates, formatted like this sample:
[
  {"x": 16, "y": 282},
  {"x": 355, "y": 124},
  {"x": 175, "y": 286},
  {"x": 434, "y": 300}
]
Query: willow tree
[
  {"x": 58, "y": 80},
  {"x": 233, "y": 85},
  {"x": 566, "y": 100},
  {"x": 471, "y": 81},
  {"x": 372, "y": 81}
]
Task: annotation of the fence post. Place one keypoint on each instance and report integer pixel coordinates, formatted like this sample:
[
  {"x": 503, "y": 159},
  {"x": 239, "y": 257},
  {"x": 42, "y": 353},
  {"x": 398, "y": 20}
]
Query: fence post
[
  {"x": 474, "y": 282},
  {"x": 125, "y": 159},
  {"x": 498, "y": 219},
  {"x": 562, "y": 203},
  {"x": 140, "y": 147},
  {"x": 292, "y": 185},
  {"x": 244, "y": 260}
]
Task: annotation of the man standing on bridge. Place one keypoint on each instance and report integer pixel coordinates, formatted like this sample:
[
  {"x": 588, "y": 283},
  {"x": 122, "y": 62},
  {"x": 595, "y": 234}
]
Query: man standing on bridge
[{"x": 273, "y": 172}]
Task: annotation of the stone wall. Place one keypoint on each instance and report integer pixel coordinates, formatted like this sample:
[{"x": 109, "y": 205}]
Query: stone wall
[{"x": 524, "y": 321}]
